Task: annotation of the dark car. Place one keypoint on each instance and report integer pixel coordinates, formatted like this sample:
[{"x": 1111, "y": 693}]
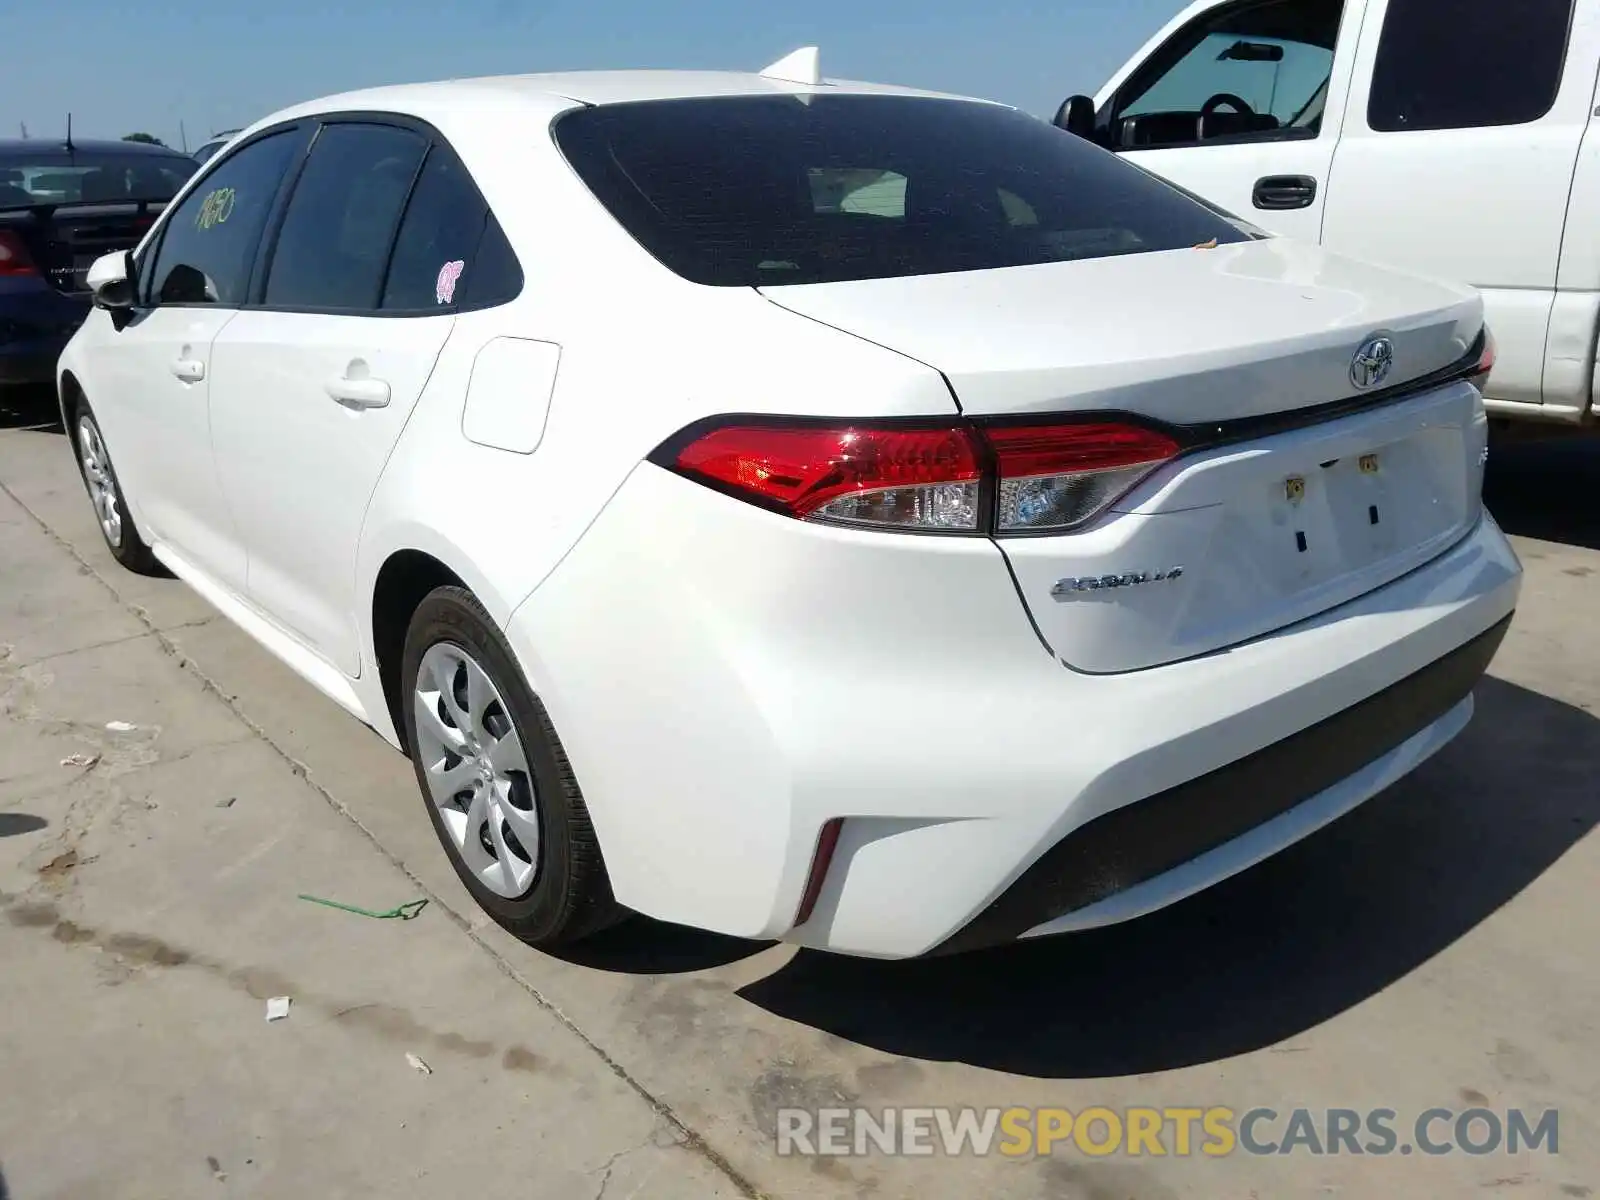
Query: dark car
[{"x": 61, "y": 207}]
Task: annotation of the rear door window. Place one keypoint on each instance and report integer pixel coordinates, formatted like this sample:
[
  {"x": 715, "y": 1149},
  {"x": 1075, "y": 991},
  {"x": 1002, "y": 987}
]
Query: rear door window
[
  {"x": 333, "y": 247},
  {"x": 209, "y": 241},
  {"x": 1467, "y": 64},
  {"x": 496, "y": 275},
  {"x": 440, "y": 233},
  {"x": 748, "y": 191}
]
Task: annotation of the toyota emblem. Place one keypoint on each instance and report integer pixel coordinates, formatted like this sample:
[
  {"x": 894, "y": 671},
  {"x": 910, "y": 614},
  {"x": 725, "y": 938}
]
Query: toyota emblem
[{"x": 1372, "y": 363}]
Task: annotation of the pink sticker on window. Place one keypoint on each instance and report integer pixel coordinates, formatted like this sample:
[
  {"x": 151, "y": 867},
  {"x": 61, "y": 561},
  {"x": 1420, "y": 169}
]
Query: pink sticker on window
[{"x": 444, "y": 291}]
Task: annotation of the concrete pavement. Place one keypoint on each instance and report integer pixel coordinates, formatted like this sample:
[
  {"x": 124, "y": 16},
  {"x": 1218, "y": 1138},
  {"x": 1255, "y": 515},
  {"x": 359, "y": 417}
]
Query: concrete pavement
[
  {"x": 150, "y": 911},
  {"x": 1434, "y": 949}
]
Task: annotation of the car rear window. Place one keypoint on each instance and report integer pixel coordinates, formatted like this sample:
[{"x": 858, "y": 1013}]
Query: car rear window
[
  {"x": 767, "y": 190},
  {"x": 88, "y": 178}
]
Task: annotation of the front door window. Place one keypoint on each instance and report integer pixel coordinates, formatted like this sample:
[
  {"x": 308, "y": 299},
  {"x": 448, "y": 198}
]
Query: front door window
[{"x": 1249, "y": 72}]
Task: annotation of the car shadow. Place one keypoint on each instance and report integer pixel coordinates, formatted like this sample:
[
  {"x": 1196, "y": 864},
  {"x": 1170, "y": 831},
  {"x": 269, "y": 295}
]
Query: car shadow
[
  {"x": 32, "y": 407},
  {"x": 1544, "y": 488},
  {"x": 1261, "y": 958},
  {"x": 642, "y": 946},
  {"x": 17, "y": 824}
]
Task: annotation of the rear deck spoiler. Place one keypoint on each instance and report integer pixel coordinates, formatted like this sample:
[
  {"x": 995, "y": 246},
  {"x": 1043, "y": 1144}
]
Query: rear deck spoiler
[{"x": 50, "y": 209}]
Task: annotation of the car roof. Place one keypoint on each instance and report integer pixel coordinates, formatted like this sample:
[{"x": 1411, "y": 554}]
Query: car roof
[
  {"x": 552, "y": 92},
  {"x": 48, "y": 150}
]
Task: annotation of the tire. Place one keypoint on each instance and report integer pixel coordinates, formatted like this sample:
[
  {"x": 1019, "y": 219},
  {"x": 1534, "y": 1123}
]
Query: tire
[
  {"x": 100, "y": 480},
  {"x": 550, "y": 896}
]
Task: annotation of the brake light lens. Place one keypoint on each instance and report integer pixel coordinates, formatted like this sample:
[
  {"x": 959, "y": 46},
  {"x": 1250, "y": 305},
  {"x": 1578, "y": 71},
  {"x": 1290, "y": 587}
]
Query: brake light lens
[
  {"x": 1055, "y": 477},
  {"x": 915, "y": 479},
  {"x": 14, "y": 257},
  {"x": 951, "y": 479},
  {"x": 1480, "y": 373}
]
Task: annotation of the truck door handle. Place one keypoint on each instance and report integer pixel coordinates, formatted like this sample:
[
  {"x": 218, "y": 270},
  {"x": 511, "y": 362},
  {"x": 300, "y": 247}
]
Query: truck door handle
[
  {"x": 1276, "y": 193},
  {"x": 358, "y": 393},
  {"x": 190, "y": 370}
]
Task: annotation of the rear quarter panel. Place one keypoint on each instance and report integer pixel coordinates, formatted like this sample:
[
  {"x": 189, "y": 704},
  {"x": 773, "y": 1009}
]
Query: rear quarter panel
[{"x": 642, "y": 354}]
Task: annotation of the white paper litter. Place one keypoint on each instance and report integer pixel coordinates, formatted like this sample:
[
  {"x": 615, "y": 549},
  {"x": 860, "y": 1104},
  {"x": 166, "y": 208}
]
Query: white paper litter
[
  {"x": 278, "y": 1008},
  {"x": 80, "y": 760},
  {"x": 418, "y": 1065},
  {"x": 120, "y": 726}
]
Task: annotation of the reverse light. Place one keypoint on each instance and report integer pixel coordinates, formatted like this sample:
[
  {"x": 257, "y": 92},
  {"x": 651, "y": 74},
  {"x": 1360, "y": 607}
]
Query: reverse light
[
  {"x": 948, "y": 479},
  {"x": 15, "y": 261}
]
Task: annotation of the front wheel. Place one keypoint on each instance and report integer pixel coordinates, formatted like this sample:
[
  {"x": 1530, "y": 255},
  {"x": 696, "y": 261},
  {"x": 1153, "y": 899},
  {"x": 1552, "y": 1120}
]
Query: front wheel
[
  {"x": 105, "y": 493},
  {"x": 498, "y": 788}
]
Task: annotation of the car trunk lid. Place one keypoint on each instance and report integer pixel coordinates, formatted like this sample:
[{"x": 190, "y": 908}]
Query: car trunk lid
[
  {"x": 1183, "y": 336},
  {"x": 1296, "y": 489},
  {"x": 63, "y": 240}
]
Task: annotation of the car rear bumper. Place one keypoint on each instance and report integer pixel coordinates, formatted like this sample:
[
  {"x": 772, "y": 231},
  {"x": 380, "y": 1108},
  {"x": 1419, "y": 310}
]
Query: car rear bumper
[
  {"x": 1155, "y": 851},
  {"x": 726, "y": 681},
  {"x": 35, "y": 327},
  {"x": 31, "y": 367}
]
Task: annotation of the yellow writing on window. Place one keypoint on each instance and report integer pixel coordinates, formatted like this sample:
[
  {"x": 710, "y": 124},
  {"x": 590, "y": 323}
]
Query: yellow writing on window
[{"x": 215, "y": 209}]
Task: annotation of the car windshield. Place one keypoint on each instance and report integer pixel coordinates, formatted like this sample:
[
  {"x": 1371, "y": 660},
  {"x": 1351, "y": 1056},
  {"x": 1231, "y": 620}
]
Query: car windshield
[
  {"x": 89, "y": 178},
  {"x": 767, "y": 190}
]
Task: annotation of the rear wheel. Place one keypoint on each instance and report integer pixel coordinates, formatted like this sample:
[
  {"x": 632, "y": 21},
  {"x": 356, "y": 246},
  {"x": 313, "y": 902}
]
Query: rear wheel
[
  {"x": 498, "y": 788},
  {"x": 105, "y": 493}
]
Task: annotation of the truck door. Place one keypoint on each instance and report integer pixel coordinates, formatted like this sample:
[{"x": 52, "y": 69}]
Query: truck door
[
  {"x": 1456, "y": 161},
  {"x": 1241, "y": 102}
]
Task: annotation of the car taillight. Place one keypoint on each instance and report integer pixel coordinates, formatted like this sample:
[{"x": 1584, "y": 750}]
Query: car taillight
[
  {"x": 921, "y": 479},
  {"x": 14, "y": 257},
  {"x": 1055, "y": 477},
  {"x": 1480, "y": 373},
  {"x": 947, "y": 479}
]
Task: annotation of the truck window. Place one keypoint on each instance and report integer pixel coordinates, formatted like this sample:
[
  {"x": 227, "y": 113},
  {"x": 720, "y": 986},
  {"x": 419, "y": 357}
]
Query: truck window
[
  {"x": 1256, "y": 71},
  {"x": 1467, "y": 64}
]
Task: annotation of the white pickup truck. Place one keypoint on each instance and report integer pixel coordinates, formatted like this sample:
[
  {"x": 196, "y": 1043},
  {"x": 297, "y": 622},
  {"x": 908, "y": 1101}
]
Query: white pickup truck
[{"x": 1456, "y": 138}]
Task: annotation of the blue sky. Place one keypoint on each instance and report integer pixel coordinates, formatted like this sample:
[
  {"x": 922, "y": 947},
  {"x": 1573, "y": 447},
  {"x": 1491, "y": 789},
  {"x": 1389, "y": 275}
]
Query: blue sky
[{"x": 125, "y": 65}]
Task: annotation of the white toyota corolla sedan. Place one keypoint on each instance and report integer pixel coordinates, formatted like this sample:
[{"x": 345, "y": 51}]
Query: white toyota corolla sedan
[{"x": 801, "y": 509}]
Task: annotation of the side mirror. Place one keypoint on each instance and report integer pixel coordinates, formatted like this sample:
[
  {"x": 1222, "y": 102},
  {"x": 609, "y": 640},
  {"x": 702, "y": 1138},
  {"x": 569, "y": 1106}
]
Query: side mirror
[
  {"x": 1076, "y": 116},
  {"x": 111, "y": 280}
]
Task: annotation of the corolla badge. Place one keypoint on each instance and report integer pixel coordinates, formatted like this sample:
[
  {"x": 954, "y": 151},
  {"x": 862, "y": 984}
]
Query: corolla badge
[
  {"x": 1066, "y": 589},
  {"x": 1372, "y": 363}
]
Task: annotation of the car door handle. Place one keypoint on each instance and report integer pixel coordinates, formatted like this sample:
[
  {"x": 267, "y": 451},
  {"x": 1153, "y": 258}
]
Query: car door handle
[
  {"x": 359, "y": 393},
  {"x": 1277, "y": 193},
  {"x": 190, "y": 370}
]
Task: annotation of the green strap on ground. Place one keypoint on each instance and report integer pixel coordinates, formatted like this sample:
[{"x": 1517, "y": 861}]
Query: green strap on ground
[{"x": 406, "y": 912}]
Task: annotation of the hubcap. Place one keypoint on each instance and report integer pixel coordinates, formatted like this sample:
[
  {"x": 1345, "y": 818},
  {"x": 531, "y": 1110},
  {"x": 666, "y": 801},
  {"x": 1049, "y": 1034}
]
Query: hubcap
[
  {"x": 476, "y": 769},
  {"x": 102, "y": 481}
]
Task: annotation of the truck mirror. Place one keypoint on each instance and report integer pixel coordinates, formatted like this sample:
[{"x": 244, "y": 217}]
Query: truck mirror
[{"x": 1076, "y": 116}]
